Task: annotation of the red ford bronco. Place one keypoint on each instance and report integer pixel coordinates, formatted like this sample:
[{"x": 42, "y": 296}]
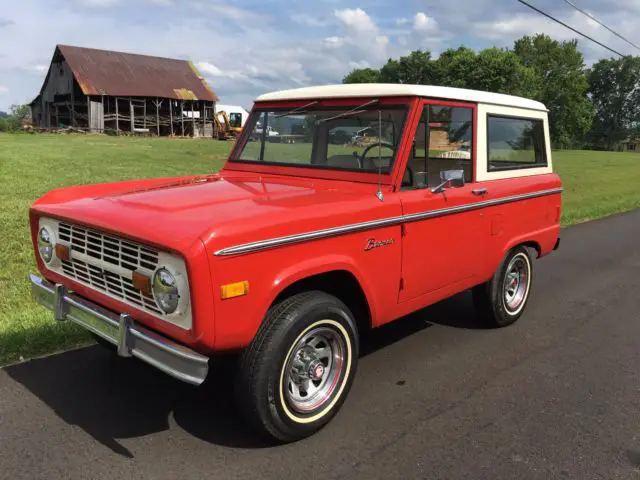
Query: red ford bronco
[{"x": 372, "y": 202}]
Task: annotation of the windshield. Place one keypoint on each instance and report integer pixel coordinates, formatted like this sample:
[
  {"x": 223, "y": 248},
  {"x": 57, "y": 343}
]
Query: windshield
[{"x": 347, "y": 138}]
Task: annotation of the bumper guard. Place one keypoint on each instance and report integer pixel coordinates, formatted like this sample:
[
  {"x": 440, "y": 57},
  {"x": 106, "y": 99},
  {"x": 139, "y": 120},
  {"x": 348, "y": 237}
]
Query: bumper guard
[{"x": 130, "y": 339}]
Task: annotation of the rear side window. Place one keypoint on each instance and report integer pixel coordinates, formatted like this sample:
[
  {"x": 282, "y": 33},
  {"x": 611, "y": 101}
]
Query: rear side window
[{"x": 515, "y": 143}]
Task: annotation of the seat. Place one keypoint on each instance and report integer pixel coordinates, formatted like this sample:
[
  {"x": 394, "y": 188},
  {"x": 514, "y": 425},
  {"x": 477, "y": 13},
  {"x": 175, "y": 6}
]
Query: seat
[
  {"x": 435, "y": 165},
  {"x": 343, "y": 161}
]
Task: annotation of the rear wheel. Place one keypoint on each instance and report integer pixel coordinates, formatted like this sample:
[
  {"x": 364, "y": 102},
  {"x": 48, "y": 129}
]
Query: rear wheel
[
  {"x": 501, "y": 301},
  {"x": 297, "y": 372}
]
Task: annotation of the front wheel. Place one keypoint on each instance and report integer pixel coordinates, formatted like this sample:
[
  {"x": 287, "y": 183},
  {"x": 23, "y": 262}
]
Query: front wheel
[
  {"x": 297, "y": 372},
  {"x": 501, "y": 301}
]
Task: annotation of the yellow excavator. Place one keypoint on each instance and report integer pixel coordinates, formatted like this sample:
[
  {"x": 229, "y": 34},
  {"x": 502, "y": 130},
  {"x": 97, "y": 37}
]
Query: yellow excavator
[{"x": 224, "y": 128}]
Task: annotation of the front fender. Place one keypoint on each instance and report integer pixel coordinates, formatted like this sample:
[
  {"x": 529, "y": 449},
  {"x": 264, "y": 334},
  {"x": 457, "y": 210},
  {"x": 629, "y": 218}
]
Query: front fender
[
  {"x": 269, "y": 273},
  {"x": 319, "y": 265},
  {"x": 237, "y": 320}
]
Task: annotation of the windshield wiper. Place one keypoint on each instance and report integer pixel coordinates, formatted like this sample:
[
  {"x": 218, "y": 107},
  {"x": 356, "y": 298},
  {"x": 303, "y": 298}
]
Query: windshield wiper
[
  {"x": 353, "y": 111},
  {"x": 297, "y": 110}
]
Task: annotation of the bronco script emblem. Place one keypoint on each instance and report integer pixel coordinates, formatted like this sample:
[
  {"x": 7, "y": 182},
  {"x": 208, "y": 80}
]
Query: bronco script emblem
[{"x": 373, "y": 243}]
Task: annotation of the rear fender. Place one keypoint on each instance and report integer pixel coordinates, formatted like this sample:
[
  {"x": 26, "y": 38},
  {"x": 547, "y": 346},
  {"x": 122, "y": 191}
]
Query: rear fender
[{"x": 545, "y": 239}]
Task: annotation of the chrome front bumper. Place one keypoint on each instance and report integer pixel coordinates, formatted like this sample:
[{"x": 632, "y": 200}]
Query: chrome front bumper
[{"x": 131, "y": 339}]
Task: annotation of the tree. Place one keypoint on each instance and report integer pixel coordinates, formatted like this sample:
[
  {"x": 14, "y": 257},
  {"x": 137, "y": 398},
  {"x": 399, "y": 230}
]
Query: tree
[
  {"x": 491, "y": 70},
  {"x": 614, "y": 86},
  {"x": 539, "y": 68},
  {"x": 415, "y": 68},
  {"x": 564, "y": 86},
  {"x": 17, "y": 113},
  {"x": 362, "y": 75},
  {"x": 20, "y": 111},
  {"x": 456, "y": 67}
]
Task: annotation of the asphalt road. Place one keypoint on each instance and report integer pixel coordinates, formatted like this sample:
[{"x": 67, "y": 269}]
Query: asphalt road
[{"x": 555, "y": 396}]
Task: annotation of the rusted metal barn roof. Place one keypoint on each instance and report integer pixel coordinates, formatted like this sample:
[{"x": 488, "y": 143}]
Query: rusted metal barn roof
[{"x": 103, "y": 72}]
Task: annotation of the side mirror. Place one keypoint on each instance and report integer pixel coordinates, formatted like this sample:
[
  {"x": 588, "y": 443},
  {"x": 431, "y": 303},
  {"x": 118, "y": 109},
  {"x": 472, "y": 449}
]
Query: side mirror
[{"x": 450, "y": 179}]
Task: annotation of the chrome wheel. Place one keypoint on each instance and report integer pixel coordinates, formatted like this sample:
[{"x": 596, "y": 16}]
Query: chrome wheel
[
  {"x": 313, "y": 369},
  {"x": 516, "y": 283}
]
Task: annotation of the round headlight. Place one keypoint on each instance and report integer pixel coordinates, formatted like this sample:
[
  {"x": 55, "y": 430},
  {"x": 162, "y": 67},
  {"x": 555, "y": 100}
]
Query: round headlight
[
  {"x": 165, "y": 290},
  {"x": 45, "y": 244}
]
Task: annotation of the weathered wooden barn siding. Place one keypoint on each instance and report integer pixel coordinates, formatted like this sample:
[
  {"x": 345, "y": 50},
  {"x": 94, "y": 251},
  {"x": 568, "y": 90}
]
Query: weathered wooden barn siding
[
  {"x": 96, "y": 116},
  {"x": 59, "y": 82},
  {"x": 101, "y": 90}
]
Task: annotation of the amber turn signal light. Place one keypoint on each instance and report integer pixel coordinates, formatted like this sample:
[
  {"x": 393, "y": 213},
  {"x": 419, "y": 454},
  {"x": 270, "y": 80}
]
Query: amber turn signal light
[
  {"x": 236, "y": 289},
  {"x": 62, "y": 252},
  {"x": 141, "y": 282}
]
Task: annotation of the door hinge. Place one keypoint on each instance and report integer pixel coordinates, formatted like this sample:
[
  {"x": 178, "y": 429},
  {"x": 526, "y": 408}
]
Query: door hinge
[{"x": 401, "y": 283}]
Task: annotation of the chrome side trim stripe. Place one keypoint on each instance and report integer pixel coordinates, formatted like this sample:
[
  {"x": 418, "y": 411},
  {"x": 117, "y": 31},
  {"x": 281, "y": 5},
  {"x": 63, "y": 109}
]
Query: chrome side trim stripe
[
  {"x": 385, "y": 222},
  {"x": 483, "y": 204}
]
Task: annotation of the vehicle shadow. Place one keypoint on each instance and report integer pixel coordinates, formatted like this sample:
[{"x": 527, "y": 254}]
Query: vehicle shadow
[
  {"x": 456, "y": 312},
  {"x": 112, "y": 398}
]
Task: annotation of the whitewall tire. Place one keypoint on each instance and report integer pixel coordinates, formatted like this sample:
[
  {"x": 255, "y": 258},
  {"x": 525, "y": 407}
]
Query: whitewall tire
[
  {"x": 297, "y": 372},
  {"x": 502, "y": 300}
]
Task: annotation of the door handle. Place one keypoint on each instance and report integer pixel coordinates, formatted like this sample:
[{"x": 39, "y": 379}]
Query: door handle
[{"x": 480, "y": 191}]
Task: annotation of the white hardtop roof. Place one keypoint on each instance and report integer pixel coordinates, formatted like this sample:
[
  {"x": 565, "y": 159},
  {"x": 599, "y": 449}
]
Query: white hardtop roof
[{"x": 401, "y": 90}]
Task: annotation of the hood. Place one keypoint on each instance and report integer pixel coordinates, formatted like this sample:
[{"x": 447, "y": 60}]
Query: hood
[{"x": 220, "y": 210}]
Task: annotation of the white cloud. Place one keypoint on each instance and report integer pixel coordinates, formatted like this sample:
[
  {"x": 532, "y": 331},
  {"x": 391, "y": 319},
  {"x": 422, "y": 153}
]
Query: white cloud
[
  {"x": 362, "y": 64},
  {"x": 356, "y": 19},
  {"x": 211, "y": 70},
  {"x": 508, "y": 28},
  {"x": 228, "y": 11},
  {"x": 362, "y": 38},
  {"x": 245, "y": 49},
  {"x": 333, "y": 42},
  {"x": 423, "y": 23},
  {"x": 3, "y": 89},
  {"x": 425, "y": 33},
  {"x": 309, "y": 20},
  {"x": 504, "y": 30}
]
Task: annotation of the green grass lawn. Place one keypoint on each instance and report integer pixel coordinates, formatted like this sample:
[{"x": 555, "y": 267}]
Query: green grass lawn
[
  {"x": 30, "y": 166},
  {"x": 596, "y": 184}
]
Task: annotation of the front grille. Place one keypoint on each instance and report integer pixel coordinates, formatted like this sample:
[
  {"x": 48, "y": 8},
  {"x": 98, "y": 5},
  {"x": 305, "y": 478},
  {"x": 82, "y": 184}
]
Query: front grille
[
  {"x": 105, "y": 263},
  {"x": 107, "y": 248},
  {"x": 109, "y": 282}
]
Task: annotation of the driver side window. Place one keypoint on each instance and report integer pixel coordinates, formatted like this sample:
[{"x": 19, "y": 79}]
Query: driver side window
[{"x": 442, "y": 141}]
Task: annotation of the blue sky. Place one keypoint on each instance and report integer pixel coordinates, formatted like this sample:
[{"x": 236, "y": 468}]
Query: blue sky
[{"x": 245, "y": 48}]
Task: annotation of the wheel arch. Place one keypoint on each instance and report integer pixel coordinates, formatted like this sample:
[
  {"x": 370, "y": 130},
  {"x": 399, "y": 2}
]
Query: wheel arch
[
  {"x": 524, "y": 242},
  {"x": 532, "y": 245},
  {"x": 337, "y": 277}
]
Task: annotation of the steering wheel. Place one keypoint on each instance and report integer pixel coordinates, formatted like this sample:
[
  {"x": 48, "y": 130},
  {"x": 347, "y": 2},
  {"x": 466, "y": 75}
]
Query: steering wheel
[{"x": 374, "y": 145}]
